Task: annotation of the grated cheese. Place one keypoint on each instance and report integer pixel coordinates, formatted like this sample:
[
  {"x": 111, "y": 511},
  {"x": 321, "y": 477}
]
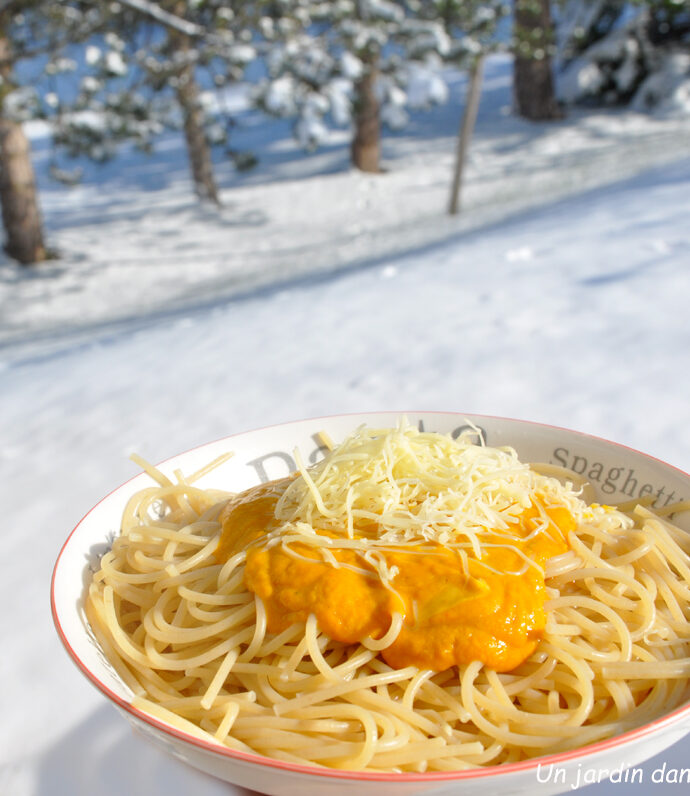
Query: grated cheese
[{"x": 397, "y": 488}]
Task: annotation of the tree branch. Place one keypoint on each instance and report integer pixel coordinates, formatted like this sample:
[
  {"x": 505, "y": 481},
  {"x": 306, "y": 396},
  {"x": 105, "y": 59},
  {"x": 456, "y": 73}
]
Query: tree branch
[{"x": 165, "y": 17}]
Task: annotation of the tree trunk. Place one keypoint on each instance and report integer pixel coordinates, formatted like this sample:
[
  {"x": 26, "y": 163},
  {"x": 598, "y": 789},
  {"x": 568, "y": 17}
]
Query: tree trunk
[
  {"x": 366, "y": 142},
  {"x": 21, "y": 216},
  {"x": 532, "y": 78},
  {"x": 469, "y": 117},
  {"x": 198, "y": 149}
]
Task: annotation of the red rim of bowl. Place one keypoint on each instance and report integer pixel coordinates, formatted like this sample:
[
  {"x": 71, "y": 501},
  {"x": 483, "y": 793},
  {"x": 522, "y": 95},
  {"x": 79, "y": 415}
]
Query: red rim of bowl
[{"x": 582, "y": 752}]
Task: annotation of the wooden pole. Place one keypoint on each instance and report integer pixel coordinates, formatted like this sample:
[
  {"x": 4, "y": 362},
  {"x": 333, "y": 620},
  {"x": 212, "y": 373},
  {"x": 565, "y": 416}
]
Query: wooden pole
[{"x": 469, "y": 117}]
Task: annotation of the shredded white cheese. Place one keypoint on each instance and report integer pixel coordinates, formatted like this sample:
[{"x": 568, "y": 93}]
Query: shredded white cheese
[{"x": 401, "y": 487}]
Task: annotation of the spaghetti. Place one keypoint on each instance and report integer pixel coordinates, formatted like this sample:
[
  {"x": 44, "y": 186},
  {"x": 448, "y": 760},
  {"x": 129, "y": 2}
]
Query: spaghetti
[{"x": 211, "y": 641}]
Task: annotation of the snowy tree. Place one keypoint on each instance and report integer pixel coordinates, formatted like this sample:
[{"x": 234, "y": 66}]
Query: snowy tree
[
  {"x": 20, "y": 211},
  {"x": 616, "y": 52},
  {"x": 153, "y": 68},
  {"x": 30, "y": 31},
  {"x": 534, "y": 46},
  {"x": 343, "y": 59}
]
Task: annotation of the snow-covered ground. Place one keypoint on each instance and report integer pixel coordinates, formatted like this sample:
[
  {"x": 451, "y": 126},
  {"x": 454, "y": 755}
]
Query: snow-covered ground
[
  {"x": 571, "y": 311},
  {"x": 133, "y": 240}
]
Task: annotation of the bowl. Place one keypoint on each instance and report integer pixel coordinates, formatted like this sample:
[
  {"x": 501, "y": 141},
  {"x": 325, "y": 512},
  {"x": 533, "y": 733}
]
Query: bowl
[{"x": 614, "y": 471}]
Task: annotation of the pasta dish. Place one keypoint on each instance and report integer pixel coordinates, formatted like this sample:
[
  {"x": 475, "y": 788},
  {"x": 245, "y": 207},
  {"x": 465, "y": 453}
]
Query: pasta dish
[{"x": 412, "y": 602}]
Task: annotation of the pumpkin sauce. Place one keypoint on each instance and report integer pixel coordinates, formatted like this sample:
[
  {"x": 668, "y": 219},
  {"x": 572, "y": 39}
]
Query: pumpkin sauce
[{"x": 455, "y": 611}]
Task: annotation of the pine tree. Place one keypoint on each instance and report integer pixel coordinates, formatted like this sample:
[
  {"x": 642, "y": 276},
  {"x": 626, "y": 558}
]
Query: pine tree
[
  {"x": 21, "y": 216},
  {"x": 533, "y": 83},
  {"x": 39, "y": 33},
  {"x": 344, "y": 61},
  {"x": 614, "y": 52},
  {"x": 27, "y": 29},
  {"x": 149, "y": 73},
  {"x": 181, "y": 54}
]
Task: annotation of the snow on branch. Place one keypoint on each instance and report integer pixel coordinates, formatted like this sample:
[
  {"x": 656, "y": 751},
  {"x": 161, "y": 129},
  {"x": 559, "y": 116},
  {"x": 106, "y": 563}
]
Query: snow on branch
[{"x": 168, "y": 19}]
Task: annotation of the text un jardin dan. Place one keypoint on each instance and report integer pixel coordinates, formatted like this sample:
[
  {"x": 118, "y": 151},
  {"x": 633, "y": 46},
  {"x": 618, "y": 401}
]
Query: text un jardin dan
[{"x": 576, "y": 778}]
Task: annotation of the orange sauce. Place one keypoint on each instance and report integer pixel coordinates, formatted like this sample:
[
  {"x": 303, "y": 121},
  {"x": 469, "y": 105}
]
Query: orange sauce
[{"x": 489, "y": 609}]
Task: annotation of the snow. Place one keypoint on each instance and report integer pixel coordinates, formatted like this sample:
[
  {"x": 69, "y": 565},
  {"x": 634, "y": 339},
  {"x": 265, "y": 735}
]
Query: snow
[
  {"x": 668, "y": 89},
  {"x": 144, "y": 244},
  {"x": 424, "y": 86},
  {"x": 393, "y": 101},
  {"x": 559, "y": 295},
  {"x": 381, "y": 9},
  {"x": 242, "y": 53},
  {"x": 92, "y": 54},
  {"x": 279, "y": 97},
  {"x": 624, "y": 65},
  {"x": 350, "y": 65},
  {"x": 114, "y": 63}
]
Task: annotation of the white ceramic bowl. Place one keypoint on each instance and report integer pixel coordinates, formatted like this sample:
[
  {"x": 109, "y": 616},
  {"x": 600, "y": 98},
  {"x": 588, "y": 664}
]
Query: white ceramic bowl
[{"x": 616, "y": 472}]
